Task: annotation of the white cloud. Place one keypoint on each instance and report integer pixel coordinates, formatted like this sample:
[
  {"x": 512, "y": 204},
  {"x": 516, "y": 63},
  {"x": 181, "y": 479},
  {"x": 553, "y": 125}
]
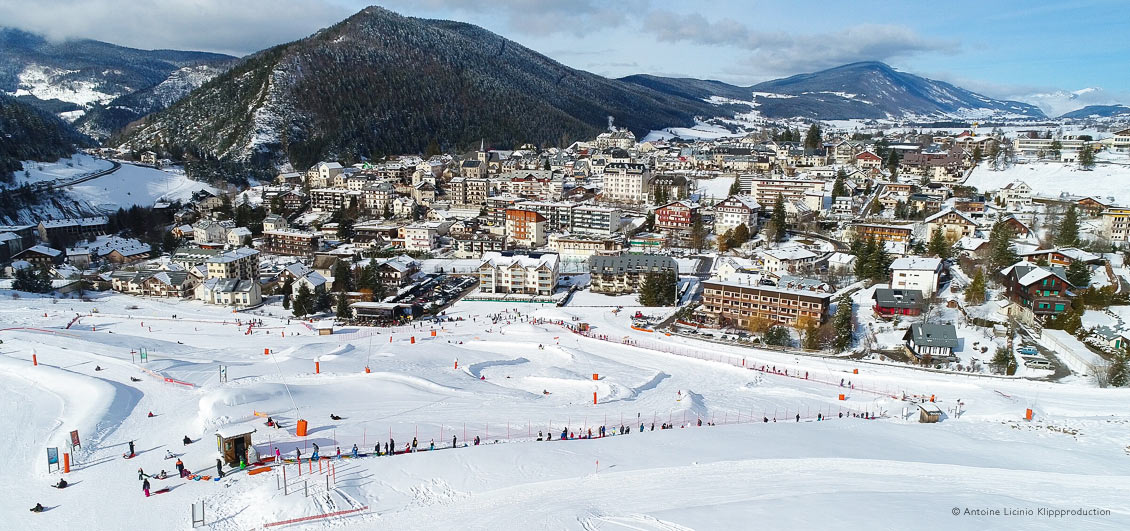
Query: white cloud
[
  {"x": 236, "y": 27},
  {"x": 536, "y": 17},
  {"x": 776, "y": 53}
]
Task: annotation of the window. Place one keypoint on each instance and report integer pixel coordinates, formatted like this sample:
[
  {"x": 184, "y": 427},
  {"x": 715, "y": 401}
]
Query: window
[{"x": 1059, "y": 307}]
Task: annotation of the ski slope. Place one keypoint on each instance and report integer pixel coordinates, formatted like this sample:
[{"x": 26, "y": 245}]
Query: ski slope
[{"x": 846, "y": 472}]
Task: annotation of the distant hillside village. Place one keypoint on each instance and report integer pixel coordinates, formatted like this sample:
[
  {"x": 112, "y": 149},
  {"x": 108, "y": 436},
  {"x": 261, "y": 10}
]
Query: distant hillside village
[{"x": 796, "y": 239}]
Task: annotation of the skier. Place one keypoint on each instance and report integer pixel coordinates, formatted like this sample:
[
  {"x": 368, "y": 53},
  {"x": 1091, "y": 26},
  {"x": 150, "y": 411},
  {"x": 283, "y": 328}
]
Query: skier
[
  {"x": 219, "y": 468},
  {"x": 145, "y": 487},
  {"x": 354, "y": 451}
]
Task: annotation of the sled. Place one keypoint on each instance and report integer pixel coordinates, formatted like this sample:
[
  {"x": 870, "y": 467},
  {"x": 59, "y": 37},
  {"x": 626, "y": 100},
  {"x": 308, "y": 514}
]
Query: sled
[
  {"x": 255, "y": 471},
  {"x": 127, "y": 456},
  {"x": 162, "y": 491},
  {"x": 206, "y": 478}
]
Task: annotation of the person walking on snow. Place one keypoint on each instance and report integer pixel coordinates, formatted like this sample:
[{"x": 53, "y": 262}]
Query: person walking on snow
[
  {"x": 131, "y": 454},
  {"x": 798, "y": 417},
  {"x": 453, "y": 441},
  {"x": 413, "y": 444},
  {"x": 278, "y": 455},
  {"x": 180, "y": 467},
  {"x": 219, "y": 468},
  {"x": 355, "y": 451},
  {"x": 145, "y": 487}
]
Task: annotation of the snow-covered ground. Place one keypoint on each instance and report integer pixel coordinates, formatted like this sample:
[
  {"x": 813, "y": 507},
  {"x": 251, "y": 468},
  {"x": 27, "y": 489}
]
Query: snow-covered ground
[
  {"x": 514, "y": 379},
  {"x": 129, "y": 185},
  {"x": 63, "y": 169},
  {"x": 137, "y": 185},
  {"x": 1050, "y": 179},
  {"x": 717, "y": 188}
]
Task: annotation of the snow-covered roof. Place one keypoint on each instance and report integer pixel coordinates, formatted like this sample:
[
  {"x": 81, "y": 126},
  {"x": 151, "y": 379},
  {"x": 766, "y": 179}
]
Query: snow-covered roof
[
  {"x": 792, "y": 253},
  {"x": 496, "y": 259},
  {"x": 949, "y": 211},
  {"x": 917, "y": 263}
]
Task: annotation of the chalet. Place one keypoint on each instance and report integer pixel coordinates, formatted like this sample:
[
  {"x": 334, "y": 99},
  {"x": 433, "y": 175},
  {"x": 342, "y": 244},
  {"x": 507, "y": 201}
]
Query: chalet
[
  {"x": 1061, "y": 256},
  {"x": 880, "y": 232},
  {"x": 935, "y": 342},
  {"x": 1019, "y": 228},
  {"x": 41, "y": 256},
  {"x": 889, "y": 302},
  {"x": 1093, "y": 206},
  {"x": 868, "y": 160},
  {"x": 397, "y": 272},
  {"x": 953, "y": 224},
  {"x": 1039, "y": 290},
  {"x": 676, "y": 215}
]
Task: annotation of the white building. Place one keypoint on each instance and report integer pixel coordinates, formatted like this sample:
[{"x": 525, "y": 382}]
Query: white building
[
  {"x": 736, "y": 210},
  {"x": 1016, "y": 195},
  {"x": 230, "y": 292},
  {"x": 237, "y": 236},
  {"x": 787, "y": 260},
  {"x": 534, "y": 274},
  {"x": 626, "y": 183},
  {"x": 916, "y": 272},
  {"x": 420, "y": 237}
]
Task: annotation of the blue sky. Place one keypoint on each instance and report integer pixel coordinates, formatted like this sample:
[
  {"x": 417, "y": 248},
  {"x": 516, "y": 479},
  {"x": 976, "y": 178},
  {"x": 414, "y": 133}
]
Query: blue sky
[{"x": 1003, "y": 49}]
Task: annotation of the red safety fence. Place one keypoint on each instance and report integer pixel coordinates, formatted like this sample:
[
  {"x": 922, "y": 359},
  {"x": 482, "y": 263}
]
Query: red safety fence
[{"x": 317, "y": 516}]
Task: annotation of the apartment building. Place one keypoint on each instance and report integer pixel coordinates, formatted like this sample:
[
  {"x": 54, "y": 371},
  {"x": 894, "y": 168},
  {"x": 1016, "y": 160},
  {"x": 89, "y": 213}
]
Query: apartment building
[
  {"x": 734, "y": 211},
  {"x": 240, "y": 263},
  {"x": 290, "y": 242},
  {"x": 525, "y": 228},
  {"x": 533, "y": 274},
  {"x": 737, "y": 304},
  {"x": 581, "y": 247},
  {"x": 766, "y": 189},
  {"x": 67, "y": 231},
  {"x": 625, "y": 273},
  {"x": 879, "y": 232},
  {"x": 1116, "y": 224},
  {"x": 626, "y": 182},
  {"x": 592, "y": 219}
]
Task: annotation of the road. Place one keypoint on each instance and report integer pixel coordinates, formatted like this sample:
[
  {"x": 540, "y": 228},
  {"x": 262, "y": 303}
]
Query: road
[{"x": 57, "y": 184}]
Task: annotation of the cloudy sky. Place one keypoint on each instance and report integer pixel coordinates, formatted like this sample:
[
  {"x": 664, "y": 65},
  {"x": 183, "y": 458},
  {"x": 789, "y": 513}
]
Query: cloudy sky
[{"x": 1003, "y": 50}]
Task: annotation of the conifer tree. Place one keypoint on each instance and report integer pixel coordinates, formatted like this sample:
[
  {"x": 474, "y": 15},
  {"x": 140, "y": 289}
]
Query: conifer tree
[
  {"x": 842, "y": 324},
  {"x": 1068, "y": 233}
]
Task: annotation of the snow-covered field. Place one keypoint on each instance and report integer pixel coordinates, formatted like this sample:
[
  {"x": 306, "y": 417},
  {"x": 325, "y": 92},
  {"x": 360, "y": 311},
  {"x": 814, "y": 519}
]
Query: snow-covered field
[
  {"x": 514, "y": 379},
  {"x": 718, "y": 187},
  {"x": 129, "y": 185},
  {"x": 62, "y": 169},
  {"x": 137, "y": 185},
  {"x": 1049, "y": 179}
]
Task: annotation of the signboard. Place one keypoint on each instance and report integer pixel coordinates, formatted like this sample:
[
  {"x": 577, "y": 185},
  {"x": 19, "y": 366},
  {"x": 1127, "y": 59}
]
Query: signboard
[
  {"x": 52, "y": 458},
  {"x": 74, "y": 440}
]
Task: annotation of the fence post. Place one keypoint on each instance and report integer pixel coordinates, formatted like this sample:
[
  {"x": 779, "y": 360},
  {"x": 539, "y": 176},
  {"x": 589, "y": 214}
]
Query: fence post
[{"x": 306, "y": 488}]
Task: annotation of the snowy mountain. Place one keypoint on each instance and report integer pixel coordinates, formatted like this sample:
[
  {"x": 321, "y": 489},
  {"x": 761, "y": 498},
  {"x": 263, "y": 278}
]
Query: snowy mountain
[
  {"x": 73, "y": 76},
  {"x": 867, "y": 90},
  {"x": 1098, "y": 112},
  {"x": 103, "y": 120},
  {"x": 381, "y": 83}
]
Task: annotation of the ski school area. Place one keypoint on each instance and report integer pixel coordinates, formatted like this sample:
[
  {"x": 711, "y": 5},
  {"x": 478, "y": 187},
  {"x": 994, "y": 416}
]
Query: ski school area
[{"x": 513, "y": 416}]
